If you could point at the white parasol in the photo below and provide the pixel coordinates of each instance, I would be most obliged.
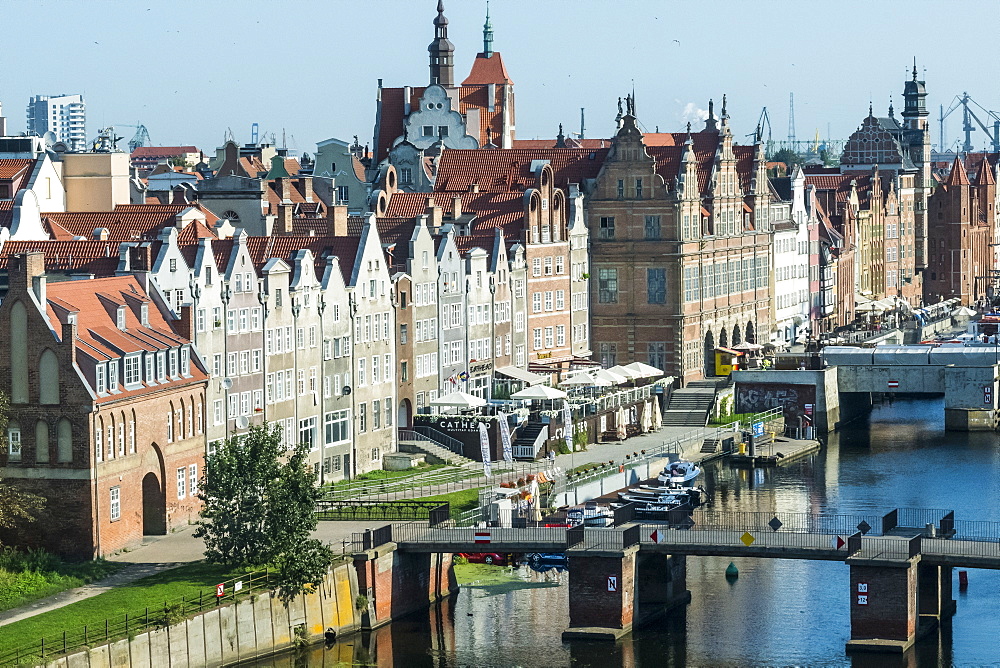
(459, 400)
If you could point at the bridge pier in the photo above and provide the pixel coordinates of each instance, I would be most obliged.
(934, 588)
(884, 610)
(660, 584)
(601, 593)
(398, 583)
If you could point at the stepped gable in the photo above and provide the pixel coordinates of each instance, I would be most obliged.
(99, 258)
(833, 190)
(509, 170)
(667, 149)
(96, 304)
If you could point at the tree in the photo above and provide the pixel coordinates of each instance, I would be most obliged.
(16, 506)
(259, 509)
(787, 156)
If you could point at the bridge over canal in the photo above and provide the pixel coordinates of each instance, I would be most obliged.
(901, 562)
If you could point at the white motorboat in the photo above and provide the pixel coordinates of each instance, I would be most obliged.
(679, 474)
(590, 515)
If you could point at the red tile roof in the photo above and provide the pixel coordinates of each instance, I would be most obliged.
(156, 207)
(98, 336)
(11, 168)
(121, 225)
(194, 231)
(957, 176)
(509, 170)
(571, 142)
(94, 257)
(504, 210)
(488, 71)
(263, 249)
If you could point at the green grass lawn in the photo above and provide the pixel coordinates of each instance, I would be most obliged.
(27, 577)
(461, 501)
(132, 598)
(366, 479)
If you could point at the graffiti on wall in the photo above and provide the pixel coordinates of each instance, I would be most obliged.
(759, 397)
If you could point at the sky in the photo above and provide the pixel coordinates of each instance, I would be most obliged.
(191, 70)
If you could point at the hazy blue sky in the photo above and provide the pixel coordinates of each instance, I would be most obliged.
(190, 69)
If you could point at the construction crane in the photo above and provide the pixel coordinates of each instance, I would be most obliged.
(140, 138)
(763, 121)
(968, 116)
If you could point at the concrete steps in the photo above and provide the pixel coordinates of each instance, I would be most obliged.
(690, 406)
(436, 454)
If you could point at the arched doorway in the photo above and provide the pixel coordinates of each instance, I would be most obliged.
(709, 354)
(154, 507)
(404, 419)
(751, 335)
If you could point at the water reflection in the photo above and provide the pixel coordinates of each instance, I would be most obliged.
(778, 612)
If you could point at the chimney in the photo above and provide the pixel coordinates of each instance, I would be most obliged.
(336, 217)
(184, 326)
(140, 258)
(473, 187)
(307, 189)
(285, 217)
(23, 269)
(456, 207)
(434, 212)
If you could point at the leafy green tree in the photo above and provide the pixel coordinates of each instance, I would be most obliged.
(16, 506)
(259, 509)
(787, 156)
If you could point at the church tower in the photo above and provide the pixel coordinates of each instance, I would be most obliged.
(918, 136)
(442, 52)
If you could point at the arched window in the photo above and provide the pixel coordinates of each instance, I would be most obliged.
(231, 216)
(99, 440)
(65, 442)
(18, 354)
(131, 434)
(110, 439)
(121, 435)
(42, 442)
(48, 378)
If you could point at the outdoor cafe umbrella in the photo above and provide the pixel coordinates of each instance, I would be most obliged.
(610, 377)
(620, 430)
(647, 419)
(539, 392)
(964, 312)
(644, 370)
(579, 379)
(657, 417)
(625, 371)
(747, 345)
(459, 400)
(869, 307)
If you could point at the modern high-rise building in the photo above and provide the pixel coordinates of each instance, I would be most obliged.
(63, 115)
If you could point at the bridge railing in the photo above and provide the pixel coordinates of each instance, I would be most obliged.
(886, 547)
(728, 540)
(959, 549)
(843, 525)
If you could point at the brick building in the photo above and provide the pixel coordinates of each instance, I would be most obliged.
(961, 230)
(107, 410)
(680, 248)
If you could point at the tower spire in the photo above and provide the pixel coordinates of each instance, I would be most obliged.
(441, 51)
(488, 33)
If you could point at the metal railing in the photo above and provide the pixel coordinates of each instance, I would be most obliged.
(134, 622)
(829, 524)
(355, 509)
(440, 438)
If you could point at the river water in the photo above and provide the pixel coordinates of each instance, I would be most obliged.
(778, 612)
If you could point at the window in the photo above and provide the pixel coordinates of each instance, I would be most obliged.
(102, 379)
(173, 264)
(609, 354)
(442, 131)
(638, 188)
(427, 131)
(560, 300)
(536, 266)
(560, 264)
(13, 443)
(255, 319)
(621, 188)
(307, 432)
(376, 414)
(537, 338)
(121, 317)
(560, 335)
(656, 286)
(405, 176)
(113, 376)
(362, 376)
(536, 302)
(200, 320)
(193, 479)
(607, 282)
(182, 482)
(548, 337)
(657, 354)
(388, 411)
(652, 227)
(362, 418)
(607, 229)
(548, 300)
(337, 427)
(217, 408)
(548, 266)
(116, 503)
(403, 328)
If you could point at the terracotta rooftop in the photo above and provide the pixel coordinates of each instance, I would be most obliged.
(488, 71)
(957, 176)
(99, 258)
(263, 249)
(11, 168)
(509, 170)
(156, 207)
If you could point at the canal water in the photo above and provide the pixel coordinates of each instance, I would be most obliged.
(778, 612)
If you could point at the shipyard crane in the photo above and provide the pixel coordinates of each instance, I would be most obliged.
(140, 138)
(968, 116)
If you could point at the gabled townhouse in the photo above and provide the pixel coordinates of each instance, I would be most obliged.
(107, 413)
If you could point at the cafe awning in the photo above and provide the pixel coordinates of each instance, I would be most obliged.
(520, 374)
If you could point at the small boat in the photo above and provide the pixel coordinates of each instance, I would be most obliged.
(590, 515)
(679, 474)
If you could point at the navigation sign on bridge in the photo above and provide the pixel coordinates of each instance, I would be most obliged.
(612, 583)
(482, 536)
(988, 395)
(893, 384)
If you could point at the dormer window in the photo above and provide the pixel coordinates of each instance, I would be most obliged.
(113, 376)
(150, 368)
(133, 371)
(144, 314)
(101, 378)
(121, 318)
(185, 361)
(173, 362)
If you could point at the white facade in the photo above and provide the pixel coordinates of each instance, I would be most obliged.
(790, 260)
(65, 116)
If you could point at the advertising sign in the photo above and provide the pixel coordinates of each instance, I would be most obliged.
(508, 454)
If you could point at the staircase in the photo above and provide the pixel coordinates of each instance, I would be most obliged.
(411, 441)
(690, 406)
(525, 446)
(710, 446)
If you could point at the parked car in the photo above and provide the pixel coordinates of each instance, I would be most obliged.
(491, 558)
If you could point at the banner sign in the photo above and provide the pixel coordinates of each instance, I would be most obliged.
(568, 427)
(508, 453)
(484, 443)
